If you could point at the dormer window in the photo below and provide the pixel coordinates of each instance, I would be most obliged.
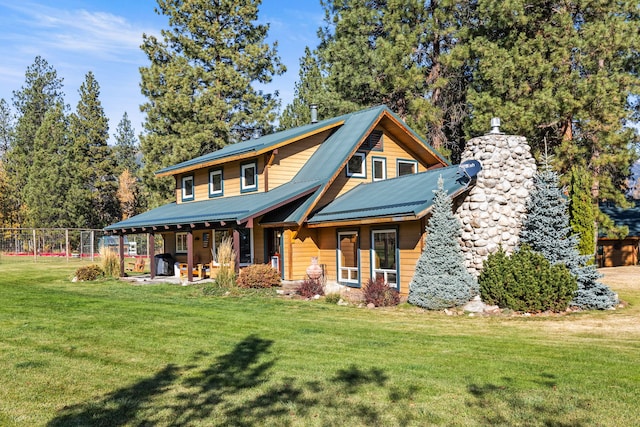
(187, 188)
(356, 166)
(248, 177)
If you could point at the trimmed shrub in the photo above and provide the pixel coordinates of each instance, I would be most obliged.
(378, 293)
(310, 288)
(332, 298)
(258, 276)
(89, 272)
(526, 281)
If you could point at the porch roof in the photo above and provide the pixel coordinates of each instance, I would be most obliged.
(405, 197)
(237, 209)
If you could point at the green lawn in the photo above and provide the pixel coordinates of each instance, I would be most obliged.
(113, 354)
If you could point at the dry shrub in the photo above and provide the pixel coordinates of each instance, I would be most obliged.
(110, 262)
(89, 272)
(258, 276)
(309, 288)
(226, 259)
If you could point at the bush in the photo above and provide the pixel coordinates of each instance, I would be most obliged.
(89, 272)
(258, 276)
(526, 281)
(332, 298)
(378, 293)
(310, 288)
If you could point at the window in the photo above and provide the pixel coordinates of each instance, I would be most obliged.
(348, 270)
(356, 166)
(379, 166)
(187, 188)
(248, 177)
(407, 167)
(181, 243)
(384, 256)
(215, 182)
(245, 246)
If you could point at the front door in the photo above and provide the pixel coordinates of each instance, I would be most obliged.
(273, 242)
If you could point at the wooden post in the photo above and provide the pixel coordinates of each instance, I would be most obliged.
(190, 255)
(151, 245)
(121, 251)
(66, 243)
(35, 247)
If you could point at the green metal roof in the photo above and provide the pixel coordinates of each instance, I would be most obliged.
(408, 195)
(227, 209)
(621, 217)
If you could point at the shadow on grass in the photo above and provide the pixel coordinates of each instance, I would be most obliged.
(541, 403)
(237, 388)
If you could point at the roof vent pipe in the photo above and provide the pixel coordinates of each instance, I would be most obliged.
(495, 125)
(314, 113)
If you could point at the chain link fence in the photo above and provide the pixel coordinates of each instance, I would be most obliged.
(70, 243)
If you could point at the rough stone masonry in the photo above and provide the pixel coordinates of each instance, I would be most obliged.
(492, 212)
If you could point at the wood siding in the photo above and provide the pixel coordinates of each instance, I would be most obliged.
(392, 151)
(291, 158)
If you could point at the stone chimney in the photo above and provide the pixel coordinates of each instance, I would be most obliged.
(493, 211)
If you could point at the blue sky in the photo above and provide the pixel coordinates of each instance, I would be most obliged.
(104, 36)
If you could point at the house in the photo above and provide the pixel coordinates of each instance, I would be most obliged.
(618, 252)
(353, 191)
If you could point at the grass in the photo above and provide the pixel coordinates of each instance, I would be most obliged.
(109, 353)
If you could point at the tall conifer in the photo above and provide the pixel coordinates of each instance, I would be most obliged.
(41, 91)
(92, 202)
(200, 83)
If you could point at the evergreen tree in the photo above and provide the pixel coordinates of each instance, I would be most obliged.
(561, 73)
(6, 128)
(582, 217)
(93, 202)
(393, 52)
(441, 280)
(546, 230)
(199, 85)
(48, 180)
(126, 147)
(42, 90)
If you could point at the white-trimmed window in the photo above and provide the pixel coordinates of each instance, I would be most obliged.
(348, 265)
(181, 243)
(187, 188)
(356, 166)
(215, 183)
(407, 167)
(384, 254)
(248, 177)
(379, 168)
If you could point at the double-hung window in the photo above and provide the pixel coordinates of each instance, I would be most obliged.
(187, 188)
(384, 254)
(215, 183)
(181, 243)
(348, 258)
(379, 167)
(248, 177)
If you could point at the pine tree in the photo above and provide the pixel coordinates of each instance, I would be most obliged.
(561, 73)
(6, 128)
(199, 84)
(48, 180)
(393, 52)
(126, 147)
(93, 202)
(441, 279)
(42, 90)
(582, 217)
(546, 230)
(6, 136)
